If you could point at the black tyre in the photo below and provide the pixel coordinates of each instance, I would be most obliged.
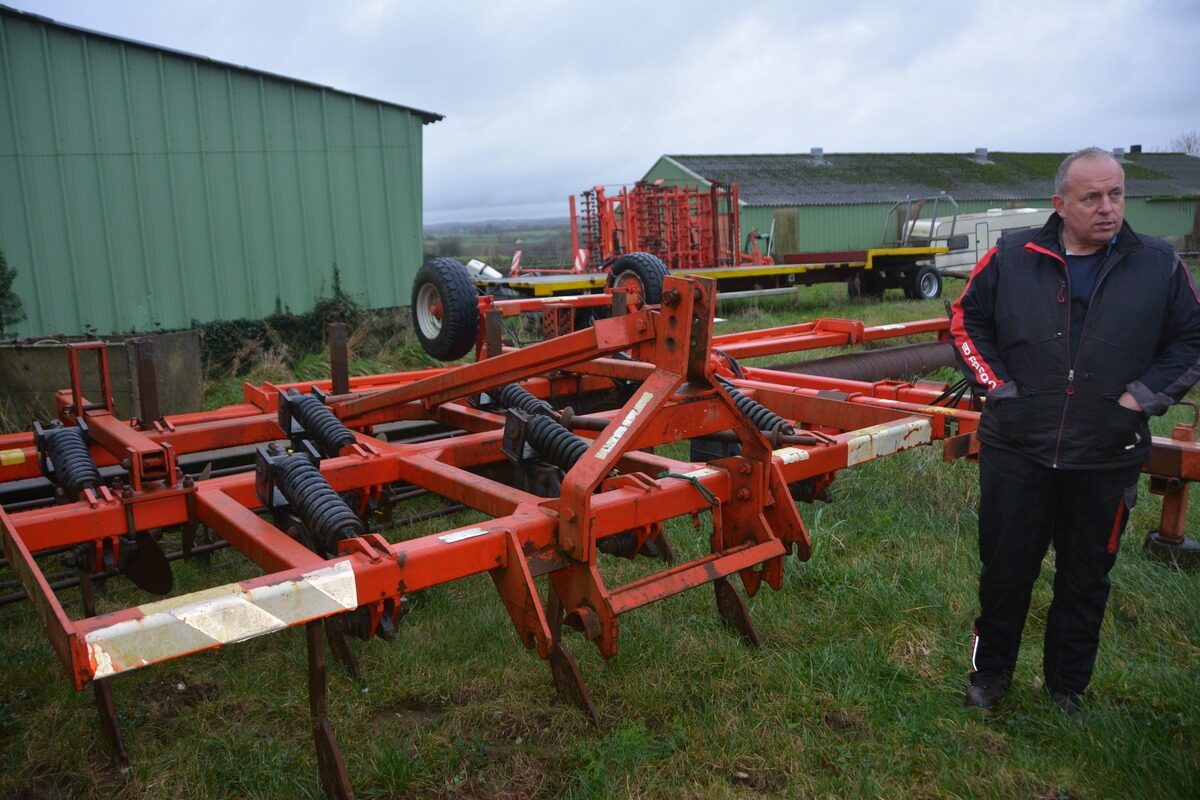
(866, 284)
(641, 276)
(502, 292)
(923, 283)
(445, 309)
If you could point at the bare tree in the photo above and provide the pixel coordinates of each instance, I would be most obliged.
(1187, 143)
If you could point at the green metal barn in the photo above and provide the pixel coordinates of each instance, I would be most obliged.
(819, 202)
(143, 188)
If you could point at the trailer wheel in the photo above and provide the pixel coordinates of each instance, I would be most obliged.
(923, 283)
(641, 276)
(866, 284)
(445, 309)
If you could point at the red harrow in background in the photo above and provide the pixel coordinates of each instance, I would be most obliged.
(561, 488)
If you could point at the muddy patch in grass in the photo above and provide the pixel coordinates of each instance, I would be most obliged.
(170, 696)
(409, 711)
(846, 724)
(510, 775)
(759, 779)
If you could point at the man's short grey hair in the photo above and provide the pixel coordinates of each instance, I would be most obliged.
(1060, 178)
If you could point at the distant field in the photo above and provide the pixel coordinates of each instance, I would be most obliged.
(543, 243)
(857, 692)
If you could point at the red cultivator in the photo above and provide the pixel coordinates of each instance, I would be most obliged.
(560, 489)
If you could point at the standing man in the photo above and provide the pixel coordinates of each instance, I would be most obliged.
(1077, 333)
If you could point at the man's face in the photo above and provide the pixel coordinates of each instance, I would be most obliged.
(1092, 204)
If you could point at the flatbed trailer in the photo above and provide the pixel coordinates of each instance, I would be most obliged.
(694, 232)
(867, 272)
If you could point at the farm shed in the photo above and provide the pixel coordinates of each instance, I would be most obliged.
(147, 188)
(840, 201)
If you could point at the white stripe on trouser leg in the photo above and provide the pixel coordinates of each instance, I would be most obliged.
(219, 616)
(974, 651)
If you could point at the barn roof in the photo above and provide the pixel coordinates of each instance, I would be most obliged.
(425, 116)
(793, 179)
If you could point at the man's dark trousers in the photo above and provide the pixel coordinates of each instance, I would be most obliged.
(1023, 508)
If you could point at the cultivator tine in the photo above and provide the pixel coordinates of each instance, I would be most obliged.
(101, 690)
(146, 565)
(568, 680)
(107, 709)
(663, 545)
(332, 767)
(339, 645)
(732, 607)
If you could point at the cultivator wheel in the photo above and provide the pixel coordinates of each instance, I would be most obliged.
(640, 276)
(445, 309)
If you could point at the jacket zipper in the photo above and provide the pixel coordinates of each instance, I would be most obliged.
(1064, 296)
(1105, 268)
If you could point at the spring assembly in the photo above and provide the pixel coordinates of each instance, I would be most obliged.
(555, 443)
(321, 423)
(74, 469)
(763, 418)
(322, 510)
(512, 395)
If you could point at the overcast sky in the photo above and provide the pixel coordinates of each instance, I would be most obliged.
(544, 99)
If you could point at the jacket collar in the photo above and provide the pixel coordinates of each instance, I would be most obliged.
(1050, 236)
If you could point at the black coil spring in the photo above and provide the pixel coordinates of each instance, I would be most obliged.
(321, 423)
(512, 395)
(763, 418)
(554, 443)
(74, 469)
(322, 510)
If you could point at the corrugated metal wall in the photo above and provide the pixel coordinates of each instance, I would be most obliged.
(851, 227)
(1174, 218)
(142, 189)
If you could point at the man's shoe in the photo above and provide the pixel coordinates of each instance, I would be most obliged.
(1070, 704)
(984, 693)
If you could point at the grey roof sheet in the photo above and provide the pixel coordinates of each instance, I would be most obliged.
(796, 179)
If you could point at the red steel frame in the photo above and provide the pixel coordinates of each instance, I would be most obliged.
(610, 491)
(687, 227)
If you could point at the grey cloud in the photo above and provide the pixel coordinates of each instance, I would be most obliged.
(543, 99)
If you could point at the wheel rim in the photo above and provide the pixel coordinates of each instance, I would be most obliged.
(927, 287)
(429, 311)
(632, 285)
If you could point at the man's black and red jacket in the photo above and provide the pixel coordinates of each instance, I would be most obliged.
(1012, 328)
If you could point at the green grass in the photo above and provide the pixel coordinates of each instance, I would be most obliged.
(856, 692)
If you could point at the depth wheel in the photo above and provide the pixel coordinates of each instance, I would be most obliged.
(641, 276)
(445, 309)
